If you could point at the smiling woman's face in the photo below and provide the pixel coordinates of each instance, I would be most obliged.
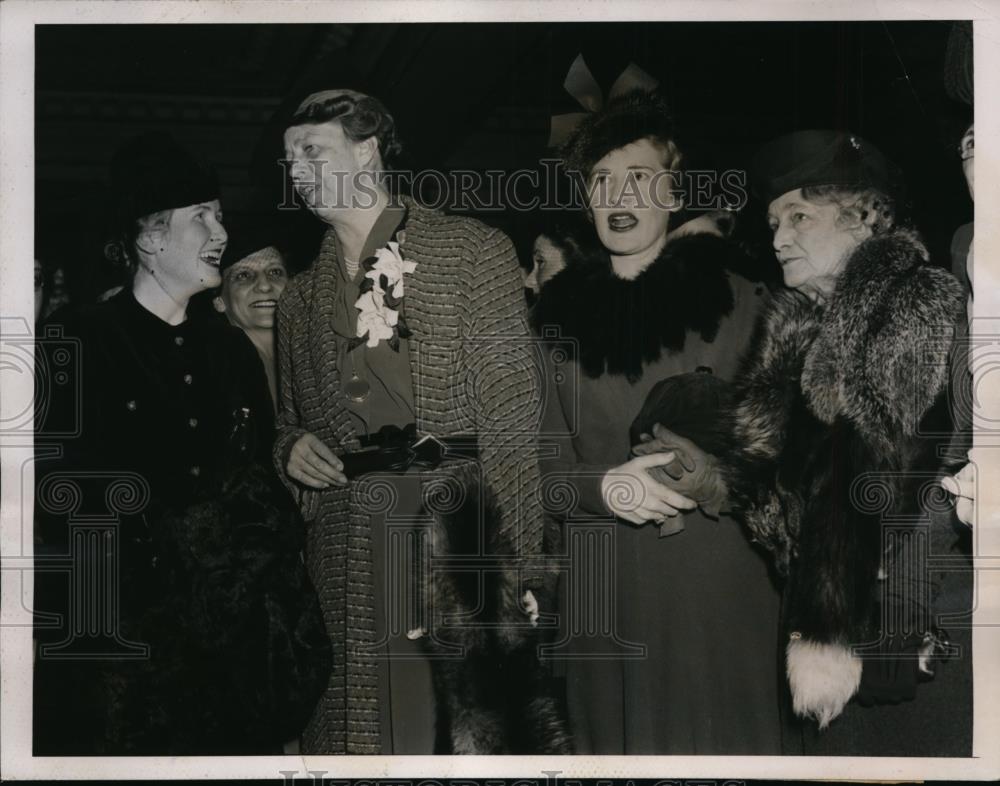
(251, 288)
(631, 199)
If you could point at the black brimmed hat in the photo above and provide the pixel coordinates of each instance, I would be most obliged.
(821, 158)
(151, 172)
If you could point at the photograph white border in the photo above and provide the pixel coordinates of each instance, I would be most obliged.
(17, 20)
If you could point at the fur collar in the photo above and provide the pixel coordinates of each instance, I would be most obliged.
(880, 358)
(876, 354)
(621, 325)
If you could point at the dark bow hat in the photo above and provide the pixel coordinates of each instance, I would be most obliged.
(151, 172)
(821, 157)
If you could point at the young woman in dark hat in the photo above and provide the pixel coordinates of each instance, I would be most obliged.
(210, 641)
(689, 664)
(838, 418)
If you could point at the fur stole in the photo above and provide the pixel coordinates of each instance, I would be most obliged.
(881, 357)
(621, 325)
(492, 693)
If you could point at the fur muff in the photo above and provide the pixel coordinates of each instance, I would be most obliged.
(493, 694)
(822, 677)
(621, 325)
(239, 653)
(830, 425)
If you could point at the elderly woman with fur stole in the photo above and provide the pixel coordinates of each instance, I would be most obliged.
(837, 419)
(659, 672)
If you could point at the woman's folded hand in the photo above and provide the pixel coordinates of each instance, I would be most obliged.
(313, 464)
(693, 472)
(632, 493)
(962, 486)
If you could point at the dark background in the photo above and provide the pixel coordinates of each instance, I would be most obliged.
(476, 96)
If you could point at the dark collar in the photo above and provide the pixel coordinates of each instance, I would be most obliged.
(620, 326)
(144, 322)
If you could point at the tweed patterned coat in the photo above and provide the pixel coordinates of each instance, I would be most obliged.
(473, 373)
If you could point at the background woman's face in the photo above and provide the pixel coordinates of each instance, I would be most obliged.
(810, 243)
(251, 288)
(546, 260)
(39, 289)
(967, 149)
(631, 199)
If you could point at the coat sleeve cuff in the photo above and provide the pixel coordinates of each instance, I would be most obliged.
(587, 481)
(287, 437)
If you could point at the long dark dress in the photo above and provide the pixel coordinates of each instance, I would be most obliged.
(669, 645)
(151, 444)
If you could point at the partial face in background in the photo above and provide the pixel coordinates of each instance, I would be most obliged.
(39, 289)
(251, 288)
(325, 165)
(631, 199)
(811, 242)
(967, 150)
(546, 260)
(185, 253)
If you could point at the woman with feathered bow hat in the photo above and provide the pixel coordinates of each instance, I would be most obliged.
(664, 676)
(837, 420)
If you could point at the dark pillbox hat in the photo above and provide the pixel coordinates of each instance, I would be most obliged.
(821, 158)
(151, 172)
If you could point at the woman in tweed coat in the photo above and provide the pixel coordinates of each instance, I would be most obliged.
(453, 359)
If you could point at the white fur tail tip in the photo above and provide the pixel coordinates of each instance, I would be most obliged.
(823, 677)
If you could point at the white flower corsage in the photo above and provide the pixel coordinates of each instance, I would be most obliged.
(382, 297)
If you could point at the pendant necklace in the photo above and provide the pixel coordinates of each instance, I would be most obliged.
(357, 389)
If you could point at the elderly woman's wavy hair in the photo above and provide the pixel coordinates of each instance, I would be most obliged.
(858, 206)
(360, 116)
(624, 120)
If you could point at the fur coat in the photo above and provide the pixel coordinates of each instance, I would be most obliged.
(840, 412)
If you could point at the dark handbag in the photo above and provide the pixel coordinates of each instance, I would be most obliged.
(395, 449)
